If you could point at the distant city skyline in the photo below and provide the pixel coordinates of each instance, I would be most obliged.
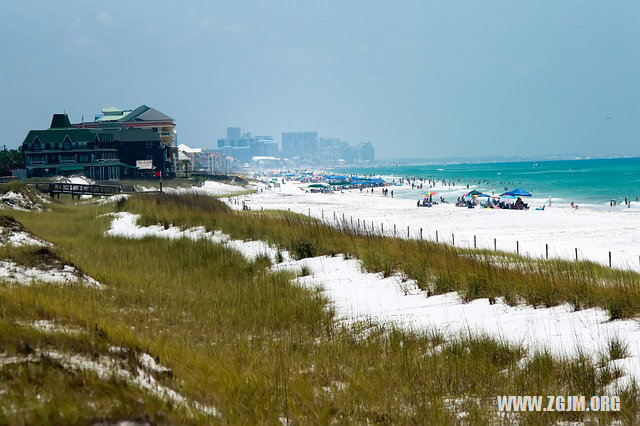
(417, 78)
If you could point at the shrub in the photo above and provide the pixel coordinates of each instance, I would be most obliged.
(304, 271)
(303, 249)
(617, 349)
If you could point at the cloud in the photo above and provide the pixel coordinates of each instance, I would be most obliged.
(105, 18)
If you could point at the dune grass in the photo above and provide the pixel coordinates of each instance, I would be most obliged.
(250, 342)
(437, 268)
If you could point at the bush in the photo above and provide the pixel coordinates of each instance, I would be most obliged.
(617, 349)
(304, 249)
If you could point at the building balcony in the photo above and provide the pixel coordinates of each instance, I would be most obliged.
(58, 150)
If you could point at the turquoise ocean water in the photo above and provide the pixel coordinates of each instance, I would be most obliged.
(589, 182)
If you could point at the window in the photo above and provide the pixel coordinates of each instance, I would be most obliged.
(150, 144)
(66, 144)
(154, 129)
(67, 158)
(36, 146)
(47, 146)
(149, 157)
(84, 158)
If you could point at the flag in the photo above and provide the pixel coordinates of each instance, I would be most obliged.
(158, 174)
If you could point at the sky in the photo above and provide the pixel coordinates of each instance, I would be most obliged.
(416, 78)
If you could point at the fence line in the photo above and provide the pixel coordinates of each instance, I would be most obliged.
(372, 231)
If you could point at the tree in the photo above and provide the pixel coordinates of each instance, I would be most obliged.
(10, 159)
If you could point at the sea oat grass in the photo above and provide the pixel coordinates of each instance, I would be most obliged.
(258, 347)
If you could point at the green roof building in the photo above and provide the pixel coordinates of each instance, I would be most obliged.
(106, 152)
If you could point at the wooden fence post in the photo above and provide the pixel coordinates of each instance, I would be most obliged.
(609, 259)
(407, 232)
(495, 245)
(546, 250)
(474, 242)
(576, 254)
(436, 236)
(517, 247)
(453, 239)
(394, 229)
(420, 233)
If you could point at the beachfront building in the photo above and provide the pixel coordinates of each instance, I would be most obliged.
(302, 145)
(188, 158)
(365, 152)
(332, 150)
(143, 117)
(109, 151)
(244, 146)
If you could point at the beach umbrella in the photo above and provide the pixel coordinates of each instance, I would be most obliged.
(317, 185)
(518, 192)
(429, 193)
(472, 193)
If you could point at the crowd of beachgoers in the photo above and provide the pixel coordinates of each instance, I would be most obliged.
(322, 182)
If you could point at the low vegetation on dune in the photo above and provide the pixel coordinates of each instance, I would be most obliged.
(437, 268)
(191, 332)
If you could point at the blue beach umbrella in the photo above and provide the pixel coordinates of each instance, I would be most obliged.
(518, 192)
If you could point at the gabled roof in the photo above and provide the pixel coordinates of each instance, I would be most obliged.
(112, 113)
(112, 109)
(184, 148)
(58, 135)
(146, 113)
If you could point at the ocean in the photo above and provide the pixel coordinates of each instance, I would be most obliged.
(590, 183)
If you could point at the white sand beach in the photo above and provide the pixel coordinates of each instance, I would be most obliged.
(593, 232)
(358, 295)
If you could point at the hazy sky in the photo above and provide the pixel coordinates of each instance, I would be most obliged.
(416, 78)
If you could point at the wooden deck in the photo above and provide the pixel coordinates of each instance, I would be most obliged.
(77, 189)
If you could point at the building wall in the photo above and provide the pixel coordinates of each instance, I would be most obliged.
(298, 144)
(233, 133)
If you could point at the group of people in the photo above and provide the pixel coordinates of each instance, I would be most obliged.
(519, 204)
(627, 202)
(428, 201)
